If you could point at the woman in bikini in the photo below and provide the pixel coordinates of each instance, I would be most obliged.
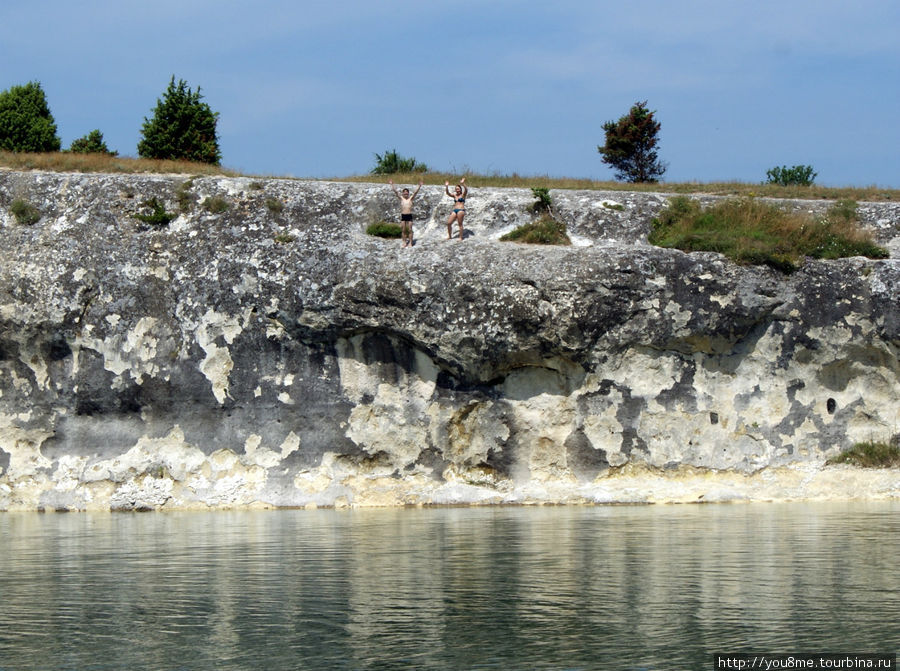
(459, 207)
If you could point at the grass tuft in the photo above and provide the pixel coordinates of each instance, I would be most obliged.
(870, 454)
(544, 231)
(184, 197)
(215, 205)
(752, 232)
(24, 212)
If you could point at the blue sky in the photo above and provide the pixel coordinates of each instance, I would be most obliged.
(315, 89)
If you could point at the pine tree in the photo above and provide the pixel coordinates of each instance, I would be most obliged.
(26, 123)
(631, 145)
(182, 127)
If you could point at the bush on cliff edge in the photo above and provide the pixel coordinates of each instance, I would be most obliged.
(752, 232)
(547, 230)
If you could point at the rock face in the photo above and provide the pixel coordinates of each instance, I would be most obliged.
(262, 350)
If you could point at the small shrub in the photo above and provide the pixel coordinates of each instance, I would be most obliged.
(215, 205)
(870, 454)
(391, 162)
(544, 231)
(24, 212)
(384, 229)
(618, 207)
(543, 202)
(157, 215)
(256, 186)
(275, 206)
(798, 175)
(92, 143)
(284, 238)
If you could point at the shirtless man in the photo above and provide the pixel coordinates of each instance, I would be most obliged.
(406, 203)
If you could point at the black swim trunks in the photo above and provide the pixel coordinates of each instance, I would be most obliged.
(405, 217)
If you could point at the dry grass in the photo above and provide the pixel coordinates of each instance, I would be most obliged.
(814, 192)
(69, 162)
(74, 162)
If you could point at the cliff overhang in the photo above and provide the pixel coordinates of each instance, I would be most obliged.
(267, 352)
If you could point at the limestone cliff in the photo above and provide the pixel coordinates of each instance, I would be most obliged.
(261, 349)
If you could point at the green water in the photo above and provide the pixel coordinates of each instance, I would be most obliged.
(652, 587)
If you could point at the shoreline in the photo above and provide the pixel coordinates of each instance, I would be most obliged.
(630, 485)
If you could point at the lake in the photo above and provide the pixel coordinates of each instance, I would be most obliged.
(615, 587)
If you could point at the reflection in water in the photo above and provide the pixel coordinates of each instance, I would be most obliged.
(654, 587)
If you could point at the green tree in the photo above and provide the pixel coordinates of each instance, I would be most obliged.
(391, 162)
(92, 143)
(631, 145)
(26, 123)
(182, 128)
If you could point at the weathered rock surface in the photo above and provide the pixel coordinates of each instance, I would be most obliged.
(275, 355)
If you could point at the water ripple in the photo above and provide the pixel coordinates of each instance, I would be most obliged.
(497, 588)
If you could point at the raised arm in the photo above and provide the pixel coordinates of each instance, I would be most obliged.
(394, 188)
(447, 189)
(417, 190)
(465, 189)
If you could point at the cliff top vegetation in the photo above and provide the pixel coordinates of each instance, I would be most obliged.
(101, 163)
(754, 232)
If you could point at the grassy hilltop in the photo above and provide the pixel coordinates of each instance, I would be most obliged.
(73, 162)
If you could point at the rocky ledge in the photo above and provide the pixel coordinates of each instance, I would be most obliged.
(261, 350)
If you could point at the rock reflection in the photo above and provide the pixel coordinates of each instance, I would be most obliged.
(654, 586)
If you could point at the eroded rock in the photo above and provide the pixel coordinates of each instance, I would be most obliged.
(279, 356)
